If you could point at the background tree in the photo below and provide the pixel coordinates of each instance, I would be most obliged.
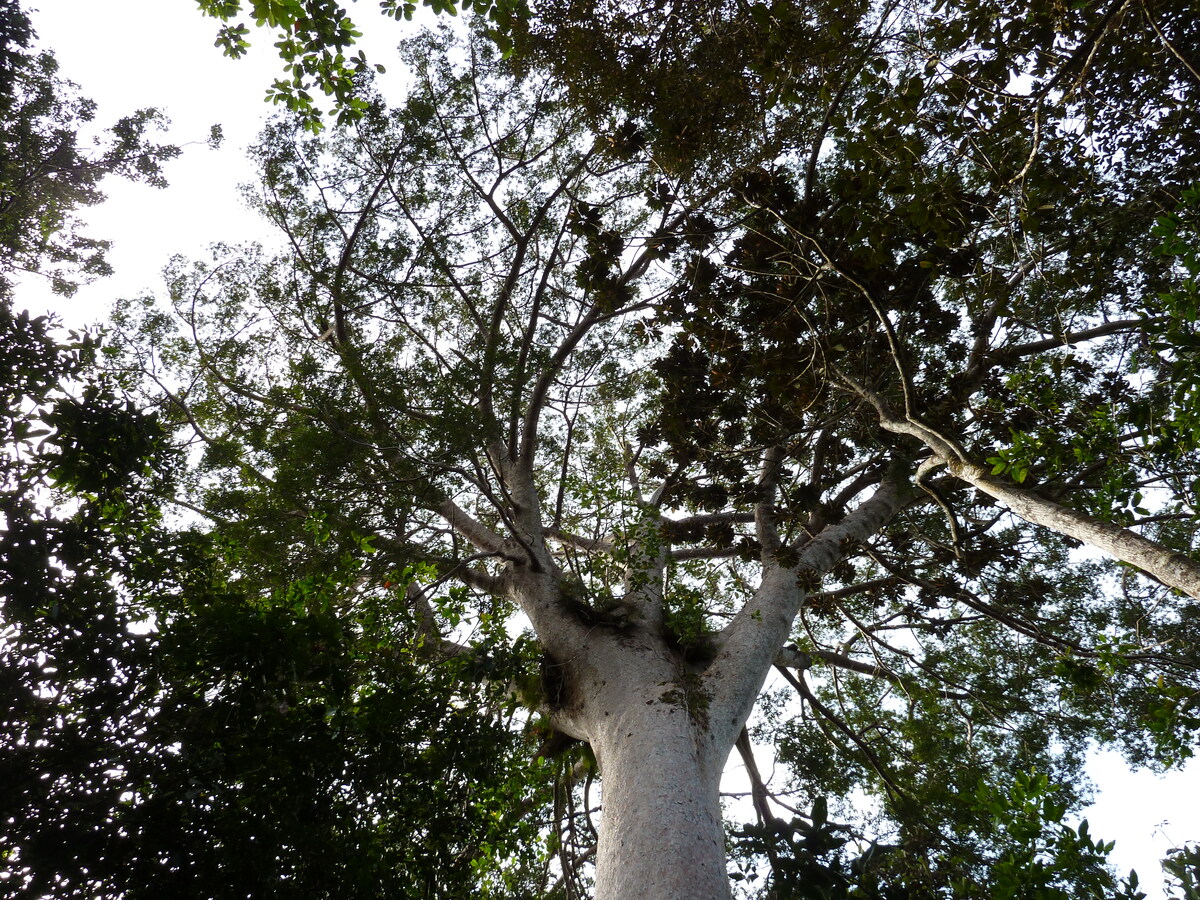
(168, 727)
(167, 732)
(683, 418)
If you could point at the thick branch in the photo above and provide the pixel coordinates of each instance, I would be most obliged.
(764, 511)
(578, 541)
(751, 642)
(705, 553)
(1067, 340)
(475, 531)
(703, 520)
(1168, 566)
(759, 794)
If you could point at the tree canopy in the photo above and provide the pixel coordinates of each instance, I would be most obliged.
(615, 369)
(160, 723)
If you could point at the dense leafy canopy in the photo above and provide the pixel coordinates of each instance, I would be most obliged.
(170, 725)
(581, 321)
(168, 731)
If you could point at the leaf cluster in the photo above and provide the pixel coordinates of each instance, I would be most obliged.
(46, 173)
(314, 40)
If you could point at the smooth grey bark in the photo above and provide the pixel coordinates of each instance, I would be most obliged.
(661, 832)
(661, 728)
(1168, 566)
(750, 644)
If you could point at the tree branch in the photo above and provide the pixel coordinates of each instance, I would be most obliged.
(829, 715)
(587, 545)
(1168, 566)
(1171, 567)
(476, 532)
(750, 643)
(764, 510)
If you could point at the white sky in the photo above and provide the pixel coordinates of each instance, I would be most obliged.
(129, 54)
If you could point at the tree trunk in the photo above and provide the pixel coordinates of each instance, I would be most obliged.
(645, 714)
(662, 730)
(661, 834)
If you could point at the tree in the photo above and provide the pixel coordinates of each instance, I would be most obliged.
(682, 415)
(164, 732)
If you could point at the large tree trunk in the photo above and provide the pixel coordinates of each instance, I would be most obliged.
(645, 714)
(661, 836)
(662, 729)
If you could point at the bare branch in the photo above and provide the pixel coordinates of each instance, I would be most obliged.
(476, 532)
(588, 545)
(1072, 338)
(705, 553)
